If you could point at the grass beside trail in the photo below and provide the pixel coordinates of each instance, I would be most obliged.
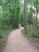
(3, 37)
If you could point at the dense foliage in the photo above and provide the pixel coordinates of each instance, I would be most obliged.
(9, 13)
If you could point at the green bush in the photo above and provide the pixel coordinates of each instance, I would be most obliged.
(31, 33)
(36, 33)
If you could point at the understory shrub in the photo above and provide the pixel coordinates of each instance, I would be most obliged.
(31, 32)
(36, 33)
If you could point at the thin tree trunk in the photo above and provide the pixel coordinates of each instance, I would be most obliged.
(25, 20)
(36, 11)
(34, 19)
(9, 16)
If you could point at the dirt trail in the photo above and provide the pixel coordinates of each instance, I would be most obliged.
(16, 42)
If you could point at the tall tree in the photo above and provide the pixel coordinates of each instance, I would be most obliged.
(36, 11)
(25, 15)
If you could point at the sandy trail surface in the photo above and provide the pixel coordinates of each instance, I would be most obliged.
(16, 42)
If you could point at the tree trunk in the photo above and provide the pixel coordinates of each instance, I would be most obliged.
(36, 11)
(9, 16)
(25, 20)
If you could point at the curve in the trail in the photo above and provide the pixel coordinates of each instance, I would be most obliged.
(16, 42)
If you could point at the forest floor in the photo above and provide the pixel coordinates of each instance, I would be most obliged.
(16, 42)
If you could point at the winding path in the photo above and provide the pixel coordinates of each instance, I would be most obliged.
(16, 42)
